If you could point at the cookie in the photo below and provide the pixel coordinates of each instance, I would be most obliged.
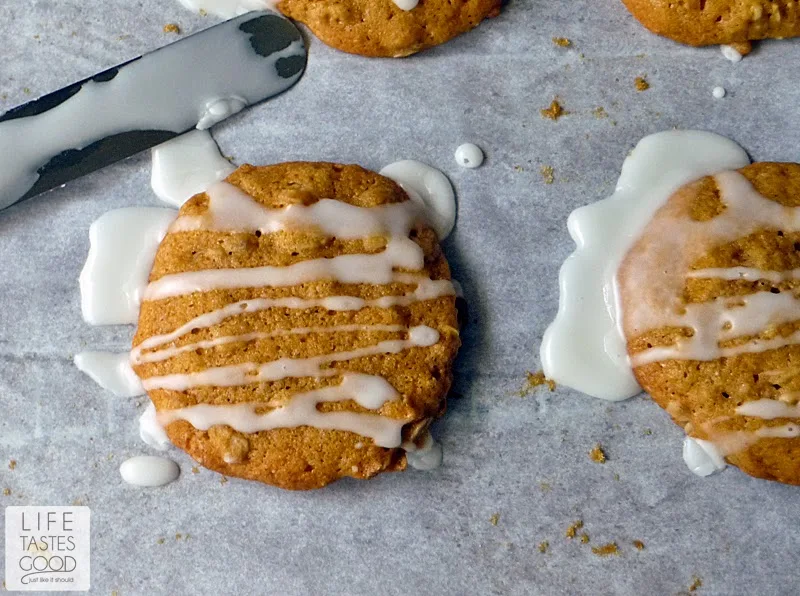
(299, 326)
(381, 28)
(709, 22)
(711, 314)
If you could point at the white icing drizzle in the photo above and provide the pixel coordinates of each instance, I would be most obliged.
(171, 352)
(151, 431)
(187, 165)
(426, 457)
(430, 188)
(251, 372)
(745, 273)
(427, 289)
(122, 247)
(367, 390)
(703, 458)
(681, 242)
(584, 348)
(731, 53)
(769, 409)
(149, 470)
(111, 371)
(231, 210)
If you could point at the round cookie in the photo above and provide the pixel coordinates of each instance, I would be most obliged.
(215, 344)
(380, 28)
(709, 296)
(709, 22)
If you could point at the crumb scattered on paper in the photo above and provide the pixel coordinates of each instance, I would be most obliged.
(178, 536)
(548, 175)
(600, 112)
(584, 538)
(638, 544)
(494, 519)
(160, 541)
(545, 486)
(563, 42)
(598, 455)
(543, 546)
(534, 380)
(696, 583)
(195, 470)
(223, 480)
(12, 464)
(641, 84)
(203, 12)
(172, 28)
(6, 492)
(573, 529)
(554, 112)
(606, 550)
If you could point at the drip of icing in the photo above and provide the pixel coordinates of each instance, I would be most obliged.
(112, 372)
(658, 276)
(718, 92)
(426, 457)
(430, 188)
(171, 352)
(406, 4)
(469, 156)
(368, 391)
(702, 457)
(123, 245)
(149, 470)
(187, 165)
(228, 9)
(769, 409)
(426, 290)
(151, 431)
(251, 372)
(731, 53)
(584, 348)
(231, 210)
(163, 91)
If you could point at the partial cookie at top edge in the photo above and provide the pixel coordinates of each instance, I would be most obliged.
(379, 28)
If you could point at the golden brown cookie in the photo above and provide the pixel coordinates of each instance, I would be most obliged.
(270, 327)
(380, 28)
(709, 22)
(712, 316)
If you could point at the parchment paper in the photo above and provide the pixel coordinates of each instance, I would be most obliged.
(524, 458)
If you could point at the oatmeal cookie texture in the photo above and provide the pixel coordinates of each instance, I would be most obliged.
(712, 317)
(380, 28)
(299, 326)
(709, 22)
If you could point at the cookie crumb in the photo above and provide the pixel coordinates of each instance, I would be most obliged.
(12, 464)
(548, 175)
(606, 550)
(543, 546)
(195, 470)
(545, 487)
(114, 593)
(573, 529)
(554, 112)
(647, 432)
(641, 84)
(160, 541)
(494, 519)
(26, 90)
(6, 492)
(600, 112)
(563, 42)
(584, 538)
(534, 380)
(203, 12)
(743, 47)
(519, 169)
(598, 455)
(178, 536)
(172, 28)
(223, 480)
(638, 544)
(696, 583)
(616, 477)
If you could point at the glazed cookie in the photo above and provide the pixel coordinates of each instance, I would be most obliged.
(711, 314)
(709, 22)
(383, 28)
(299, 326)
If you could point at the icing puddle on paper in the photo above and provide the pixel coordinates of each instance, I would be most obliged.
(585, 347)
(123, 246)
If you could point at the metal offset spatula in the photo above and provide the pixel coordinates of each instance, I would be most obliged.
(192, 83)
